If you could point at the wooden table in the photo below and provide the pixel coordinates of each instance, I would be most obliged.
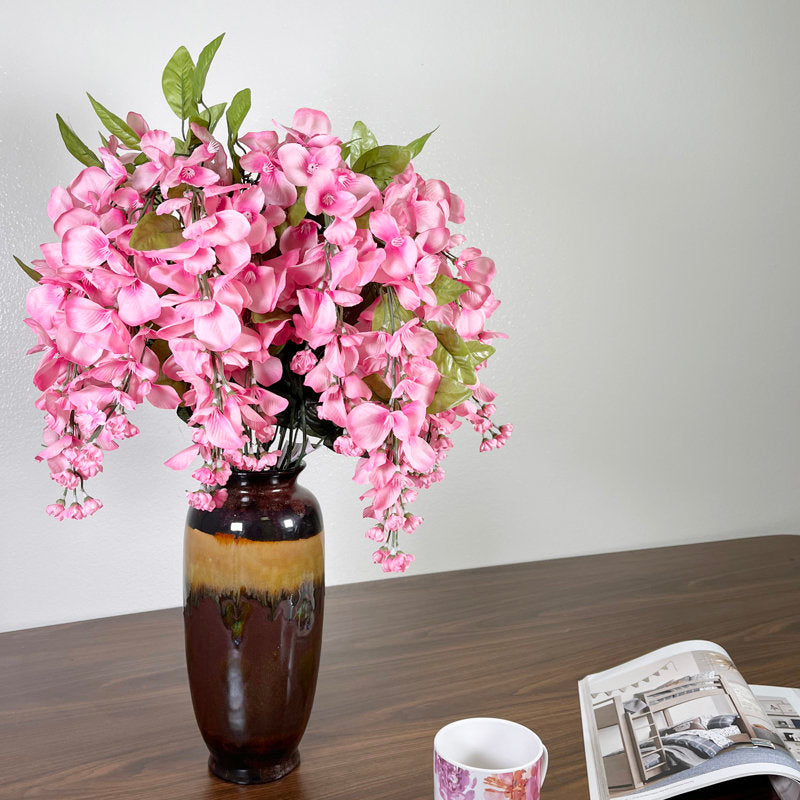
(100, 710)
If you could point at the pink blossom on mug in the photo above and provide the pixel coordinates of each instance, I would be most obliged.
(302, 289)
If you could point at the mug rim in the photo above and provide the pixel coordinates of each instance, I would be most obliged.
(509, 722)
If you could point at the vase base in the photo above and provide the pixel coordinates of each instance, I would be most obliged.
(252, 775)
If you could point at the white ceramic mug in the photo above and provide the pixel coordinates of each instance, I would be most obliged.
(483, 758)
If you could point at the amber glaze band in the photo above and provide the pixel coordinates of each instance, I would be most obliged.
(224, 563)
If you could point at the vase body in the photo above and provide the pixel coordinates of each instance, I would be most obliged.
(253, 606)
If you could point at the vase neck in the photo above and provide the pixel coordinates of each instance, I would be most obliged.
(282, 478)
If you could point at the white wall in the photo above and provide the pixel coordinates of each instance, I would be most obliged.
(633, 168)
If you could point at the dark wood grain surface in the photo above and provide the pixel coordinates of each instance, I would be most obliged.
(100, 710)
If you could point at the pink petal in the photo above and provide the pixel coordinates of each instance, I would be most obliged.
(383, 225)
(221, 432)
(260, 140)
(168, 206)
(368, 425)
(434, 240)
(184, 458)
(419, 454)
(85, 316)
(341, 231)
(294, 160)
(81, 348)
(163, 396)
(138, 303)
(90, 185)
(84, 246)
(60, 202)
(311, 122)
(268, 372)
(136, 121)
(73, 218)
(156, 145)
(44, 301)
(277, 188)
(219, 329)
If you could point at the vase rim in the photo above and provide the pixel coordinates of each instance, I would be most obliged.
(270, 472)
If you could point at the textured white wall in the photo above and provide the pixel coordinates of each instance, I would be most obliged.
(634, 170)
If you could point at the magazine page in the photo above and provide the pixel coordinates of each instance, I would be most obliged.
(782, 706)
(676, 720)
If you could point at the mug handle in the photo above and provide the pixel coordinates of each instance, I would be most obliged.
(544, 762)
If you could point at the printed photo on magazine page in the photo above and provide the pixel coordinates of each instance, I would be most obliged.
(782, 706)
(681, 718)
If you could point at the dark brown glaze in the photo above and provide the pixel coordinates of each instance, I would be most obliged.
(254, 598)
(253, 671)
(270, 507)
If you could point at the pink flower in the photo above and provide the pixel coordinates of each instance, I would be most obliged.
(300, 165)
(202, 325)
(325, 196)
(303, 361)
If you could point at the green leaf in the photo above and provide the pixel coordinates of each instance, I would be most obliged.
(447, 289)
(29, 271)
(362, 221)
(156, 232)
(378, 386)
(297, 212)
(479, 351)
(383, 163)
(449, 393)
(203, 63)
(452, 356)
(416, 146)
(270, 316)
(75, 146)
(235, 115)
(177, 82)
(345, 151)
(215, 112)
(362, 140)
(116, 126)
(382, 318)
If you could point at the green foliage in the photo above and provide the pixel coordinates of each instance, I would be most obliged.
(203, 63)
(270, 316)
(239, 107)
(416, 146)
(177, 82)
(452, 356)
(156, 232)
(455, 358)
(362, 140)
(449, 393)
(296, 214)
(29, 271)
(301, 414)
(214, 115)
(234, 116)
(75, 146)
(479, 351)
(383, 163)
(382, 316)
(380, 390)
(115, 125)
(447, 289)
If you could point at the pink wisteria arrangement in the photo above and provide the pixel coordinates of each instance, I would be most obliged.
(305, 291)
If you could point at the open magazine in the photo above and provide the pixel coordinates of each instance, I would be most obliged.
(682, 718)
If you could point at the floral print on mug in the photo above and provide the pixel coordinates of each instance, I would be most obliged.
(456, 783)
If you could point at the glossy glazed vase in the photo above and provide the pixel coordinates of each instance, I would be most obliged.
(253, 605)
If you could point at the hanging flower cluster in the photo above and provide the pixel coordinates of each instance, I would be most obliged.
(307, 291)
